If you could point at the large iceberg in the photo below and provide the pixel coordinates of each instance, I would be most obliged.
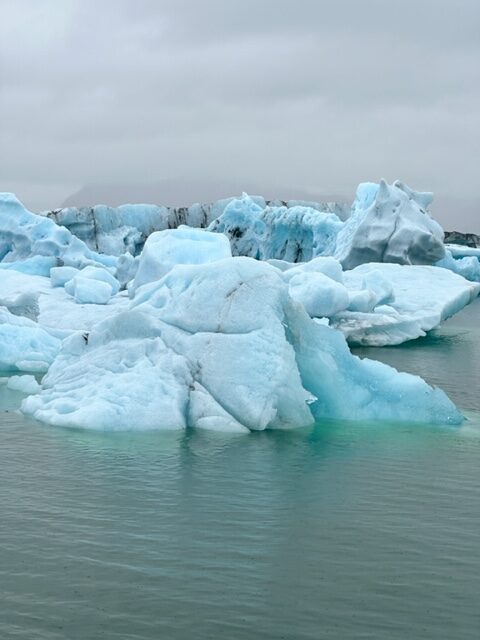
(222, 346)
(295, 234)
(389, 223)
(29, 238)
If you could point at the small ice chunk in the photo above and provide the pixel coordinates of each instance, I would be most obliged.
(59, 276)
(89, 291)
(25, 384)
(321, 296)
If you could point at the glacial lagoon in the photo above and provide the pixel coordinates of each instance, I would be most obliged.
(346, 530)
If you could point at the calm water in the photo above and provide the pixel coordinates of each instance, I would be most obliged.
(344, 531)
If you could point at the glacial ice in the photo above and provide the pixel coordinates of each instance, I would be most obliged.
(93, 285)
(24, 345)
(389, 223)
(294, 234)
(461, 251)
(218, 342)
(26, 384)
(25, 236)
(411, 300)
(165, 249)
(465, 263)
(222, 345)
(116, 230)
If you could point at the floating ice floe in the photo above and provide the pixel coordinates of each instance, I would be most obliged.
(222, 346)
(417, 299)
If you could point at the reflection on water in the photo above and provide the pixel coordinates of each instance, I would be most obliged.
(341, 531)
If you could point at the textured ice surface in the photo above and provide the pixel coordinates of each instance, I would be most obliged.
(25, 384)
(92, 285)
(465, 262)
(59, 276)
(165, 249)
(25, 236)
(462, 251)
(389, 223)
(24, 345)
(294, 234)
(115, 230)
(411, 300)
(222, 346)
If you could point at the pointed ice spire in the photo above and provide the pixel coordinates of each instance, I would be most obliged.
(383, 193)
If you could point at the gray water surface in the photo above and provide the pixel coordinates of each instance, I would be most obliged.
(341, 531)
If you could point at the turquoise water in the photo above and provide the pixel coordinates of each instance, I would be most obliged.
(341, 531)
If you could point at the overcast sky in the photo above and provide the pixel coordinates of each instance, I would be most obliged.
(304, 97)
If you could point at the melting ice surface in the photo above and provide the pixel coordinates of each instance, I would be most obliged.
(219, 342)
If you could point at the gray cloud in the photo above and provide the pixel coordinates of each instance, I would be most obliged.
(306, 96)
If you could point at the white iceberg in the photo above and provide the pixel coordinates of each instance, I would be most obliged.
(222, 346)
(409, 301)
(389, 223)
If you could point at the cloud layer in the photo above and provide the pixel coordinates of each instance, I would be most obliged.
(306, 96)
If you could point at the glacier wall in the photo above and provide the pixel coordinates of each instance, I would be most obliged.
(116, 230)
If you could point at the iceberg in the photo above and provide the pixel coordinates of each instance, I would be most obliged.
(165, 249)
(410, 300)
(24, 384)
(93, 285)
(222, 345)
(465, 262)
(389, 223)
(118, 230)
(24, 345)
(36, 242)
(295, 234)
